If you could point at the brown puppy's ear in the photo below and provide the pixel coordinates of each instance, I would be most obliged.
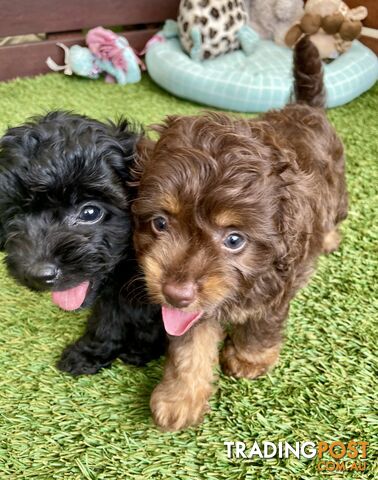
(168, 121)
(143, 155)
(146, 145)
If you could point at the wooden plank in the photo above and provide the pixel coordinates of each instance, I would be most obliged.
(370, 42)
(20, 17)
(29, 59)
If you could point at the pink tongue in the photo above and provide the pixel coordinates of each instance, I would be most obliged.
(177, 322)
(71, 299)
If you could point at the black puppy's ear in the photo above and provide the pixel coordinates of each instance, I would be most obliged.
(4, 182)
(2, 237)
(127, 133)
(126, 136)
(18, 145)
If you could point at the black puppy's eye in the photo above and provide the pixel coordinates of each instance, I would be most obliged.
(234, 241)
(159, 224)
(91, 214)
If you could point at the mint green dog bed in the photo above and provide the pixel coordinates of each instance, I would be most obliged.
(256, 82)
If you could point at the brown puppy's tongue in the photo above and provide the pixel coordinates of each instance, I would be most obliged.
(177, 322)
(71, 299)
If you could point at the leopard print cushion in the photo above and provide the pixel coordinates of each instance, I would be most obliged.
(218, 22)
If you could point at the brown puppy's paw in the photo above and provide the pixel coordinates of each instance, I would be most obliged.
(251, 366)
(176, 406)
(331, 241)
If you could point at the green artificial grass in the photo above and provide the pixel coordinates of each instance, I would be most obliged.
(53, 426)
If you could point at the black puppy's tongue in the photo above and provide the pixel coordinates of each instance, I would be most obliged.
(71, 299)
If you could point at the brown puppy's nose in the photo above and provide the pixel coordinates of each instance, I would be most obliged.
(179, 295)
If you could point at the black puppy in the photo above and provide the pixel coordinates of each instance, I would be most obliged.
(65, 227)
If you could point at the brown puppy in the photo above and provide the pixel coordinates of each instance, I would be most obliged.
(231, 216)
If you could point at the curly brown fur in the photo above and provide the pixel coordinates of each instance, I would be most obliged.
(274, 187)
(181, 399)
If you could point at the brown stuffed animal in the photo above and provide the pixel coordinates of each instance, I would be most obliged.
(331, 24)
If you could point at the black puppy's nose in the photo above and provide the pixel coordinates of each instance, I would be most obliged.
(45, 273)
(180, 295)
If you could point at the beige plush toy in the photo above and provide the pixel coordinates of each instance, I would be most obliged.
(332, 26)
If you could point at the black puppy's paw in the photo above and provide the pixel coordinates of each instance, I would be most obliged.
(76, 362)
(141, 357)
(135, 358)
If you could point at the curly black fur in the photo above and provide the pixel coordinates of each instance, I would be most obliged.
(50, 168)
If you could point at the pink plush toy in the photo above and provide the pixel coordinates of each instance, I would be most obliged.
(103, 44)
(107, 53)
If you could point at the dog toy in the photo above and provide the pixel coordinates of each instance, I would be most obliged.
(331, 24)
(271, 19)
(208, 28)
(107, 53)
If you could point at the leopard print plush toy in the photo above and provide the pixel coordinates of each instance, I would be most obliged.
(208, 28)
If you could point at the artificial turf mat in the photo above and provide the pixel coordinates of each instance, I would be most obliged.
(53, 426)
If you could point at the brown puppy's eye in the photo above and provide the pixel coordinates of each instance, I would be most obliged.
(234, 241)
(159, 224)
